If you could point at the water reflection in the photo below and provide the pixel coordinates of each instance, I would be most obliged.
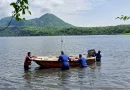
(112, 72)
(81, 77)
(64, 79)
(95, 65)
(98, 63)
(42, 78)
(28, 77)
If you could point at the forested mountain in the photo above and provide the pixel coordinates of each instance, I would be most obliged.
(50, 25)
(47, 20)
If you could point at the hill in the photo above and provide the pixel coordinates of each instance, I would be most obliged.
(46, 20)
(51, 25)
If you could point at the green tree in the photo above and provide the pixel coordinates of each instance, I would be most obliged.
(20, 7)
(122, 17)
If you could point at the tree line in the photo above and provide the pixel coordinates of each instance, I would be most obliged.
(50, 31)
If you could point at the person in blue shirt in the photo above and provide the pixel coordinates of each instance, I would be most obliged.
(82, 60)
(64, 61)
(98, 56)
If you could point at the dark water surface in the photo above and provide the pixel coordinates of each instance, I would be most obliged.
(112, 73)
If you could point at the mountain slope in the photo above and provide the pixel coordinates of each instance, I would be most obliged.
(47, 20)
(6, 20)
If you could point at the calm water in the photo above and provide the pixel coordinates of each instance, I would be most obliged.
(112, 73)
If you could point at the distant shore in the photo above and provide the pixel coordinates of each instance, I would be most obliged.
(125, 34)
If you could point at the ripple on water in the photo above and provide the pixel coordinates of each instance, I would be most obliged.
(111, 74)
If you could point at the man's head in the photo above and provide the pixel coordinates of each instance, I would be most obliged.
(29, 53)
(99, 51)
(80, 55)
(62, 52)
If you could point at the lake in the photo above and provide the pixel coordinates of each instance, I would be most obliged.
(111, 74)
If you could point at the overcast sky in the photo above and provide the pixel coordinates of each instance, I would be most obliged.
(86, 13)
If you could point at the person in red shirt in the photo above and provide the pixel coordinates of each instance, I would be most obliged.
(27, 61)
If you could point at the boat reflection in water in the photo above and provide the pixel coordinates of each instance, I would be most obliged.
(54, 78)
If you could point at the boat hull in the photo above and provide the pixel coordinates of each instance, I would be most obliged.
(56, 64)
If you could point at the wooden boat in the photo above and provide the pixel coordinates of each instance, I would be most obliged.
(52, 61)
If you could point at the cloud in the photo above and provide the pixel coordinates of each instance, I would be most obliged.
(40, 7)
(56, 3)
(62, 8)
(5, 8)
(45, 10)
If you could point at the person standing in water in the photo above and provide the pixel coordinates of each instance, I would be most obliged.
(98, 56)
(27, 61)
(64, 61)
(82, 61)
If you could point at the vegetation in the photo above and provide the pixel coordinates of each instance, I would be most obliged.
(41, 31)
(20, 7)
(122, 17)
(46, 26)
(49, 24)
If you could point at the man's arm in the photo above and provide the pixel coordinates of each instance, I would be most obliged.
(77, 60)
(59, 58)
(69, 59)
(31, 59)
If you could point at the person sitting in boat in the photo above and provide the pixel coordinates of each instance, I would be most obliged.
(82, 60)
(64, 60)
(27, 61)
(98, 56)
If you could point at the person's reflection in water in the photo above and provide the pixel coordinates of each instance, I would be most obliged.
(64, 78)
(81, 75)
(98, 63)
(84, 78)
(90, 76)
(27, 76)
